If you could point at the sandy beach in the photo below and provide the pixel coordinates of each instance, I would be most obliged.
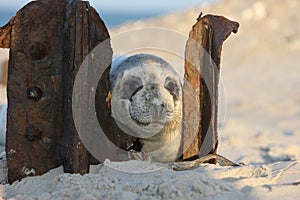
(259, 116)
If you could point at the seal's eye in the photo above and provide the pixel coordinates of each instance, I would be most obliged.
(172, 87)
(131, 86)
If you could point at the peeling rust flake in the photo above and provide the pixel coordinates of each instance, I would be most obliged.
(5, 34)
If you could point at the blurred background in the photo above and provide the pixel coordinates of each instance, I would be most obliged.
(113, 12)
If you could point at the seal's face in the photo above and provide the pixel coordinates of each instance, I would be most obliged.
(146, 97)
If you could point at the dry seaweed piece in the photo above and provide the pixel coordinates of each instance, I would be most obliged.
(188, 165)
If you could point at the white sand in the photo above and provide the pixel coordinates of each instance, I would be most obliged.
(260, 72)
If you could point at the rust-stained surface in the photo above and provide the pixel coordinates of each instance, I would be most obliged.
(34, 124)
(48, 40)
(201, 83)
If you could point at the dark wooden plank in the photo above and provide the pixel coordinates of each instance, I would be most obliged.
(85, 31)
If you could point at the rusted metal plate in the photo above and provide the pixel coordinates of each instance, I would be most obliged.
(48, 42)
(34, 90)
(202, 66)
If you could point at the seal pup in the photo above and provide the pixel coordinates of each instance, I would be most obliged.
(146, 103)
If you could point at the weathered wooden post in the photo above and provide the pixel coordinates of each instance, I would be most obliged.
(48, 40)
(202, 69)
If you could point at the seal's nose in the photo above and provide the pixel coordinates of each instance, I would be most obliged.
(158, 107)
(158, 112)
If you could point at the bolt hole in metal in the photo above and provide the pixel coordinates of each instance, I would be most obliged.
(34, 93)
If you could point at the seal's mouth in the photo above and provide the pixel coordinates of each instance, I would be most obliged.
(154, 123)
(140, 123)
(148, 115)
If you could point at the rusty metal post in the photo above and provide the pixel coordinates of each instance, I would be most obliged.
(202, 69)
(48, 41)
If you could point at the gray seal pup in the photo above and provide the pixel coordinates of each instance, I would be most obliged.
(147, 103)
